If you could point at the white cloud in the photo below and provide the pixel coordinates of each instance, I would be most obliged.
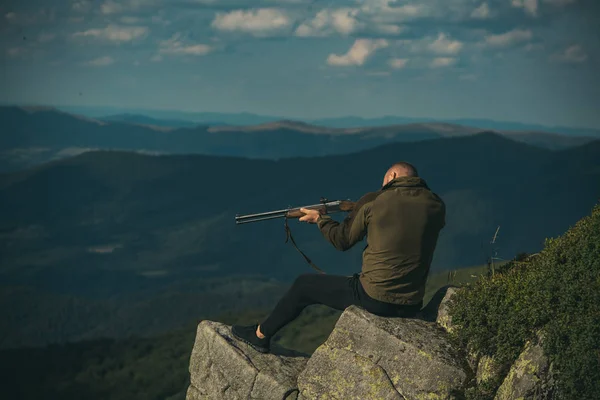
(345, 21)
(328, 21)
(100, 62)
(376, 13)
(389, 29)
(176, 47)
(481, 12)
(360, 51)
(443, 45)
(572, 54)
(392, 11)
(381, 11)
(530, 6)
(258, 22)
(441, 62)
(509, 38)
(15, 52)
(115, 33)
(398, 63)
(46, 37)
(194, 50)
(112, 7)
(81, 6)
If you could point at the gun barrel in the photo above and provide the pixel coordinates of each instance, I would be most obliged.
(263, 214)
(244, 219)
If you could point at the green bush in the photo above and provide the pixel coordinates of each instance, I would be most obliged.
(556, 292)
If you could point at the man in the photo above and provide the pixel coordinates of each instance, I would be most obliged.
(402, 222)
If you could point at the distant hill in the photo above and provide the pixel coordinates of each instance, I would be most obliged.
(483, 124)
(144, 120)
(420, 131)
(109, 243)
(38, 135)
(200, 118)
(206, 118)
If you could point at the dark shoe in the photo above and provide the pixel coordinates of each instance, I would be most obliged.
(247, 334)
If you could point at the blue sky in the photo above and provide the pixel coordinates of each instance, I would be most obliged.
(518, 60)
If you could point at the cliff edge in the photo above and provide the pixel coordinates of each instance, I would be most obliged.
(365, 357)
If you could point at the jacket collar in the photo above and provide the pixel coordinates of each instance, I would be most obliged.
(406, 181)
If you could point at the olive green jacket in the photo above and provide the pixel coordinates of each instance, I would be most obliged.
(402, 222)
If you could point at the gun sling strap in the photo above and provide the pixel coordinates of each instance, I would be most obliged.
(289, 236)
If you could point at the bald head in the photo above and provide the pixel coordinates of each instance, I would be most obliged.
(398, 170)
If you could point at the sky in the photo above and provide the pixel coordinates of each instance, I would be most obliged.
(532, 61)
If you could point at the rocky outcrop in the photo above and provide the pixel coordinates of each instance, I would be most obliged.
(371, 357)
(222, 368)
(365, 357)
(529, 377)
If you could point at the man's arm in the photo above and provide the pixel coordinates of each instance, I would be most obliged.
(353, 229)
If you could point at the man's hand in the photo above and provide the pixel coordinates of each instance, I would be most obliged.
(311, 215)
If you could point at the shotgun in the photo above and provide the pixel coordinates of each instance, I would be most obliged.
(325, 206)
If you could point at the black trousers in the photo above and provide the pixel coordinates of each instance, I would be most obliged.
(335, 291)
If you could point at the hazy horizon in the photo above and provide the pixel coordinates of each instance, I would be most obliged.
(97, 112)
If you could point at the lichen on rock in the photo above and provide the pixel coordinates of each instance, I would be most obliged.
(527, 375)
(367, 356)
(488, 369)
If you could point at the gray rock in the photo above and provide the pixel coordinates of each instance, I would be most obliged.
(195, 394)
(443, 316)
(527, 377)
(368, 357)
(221, 367)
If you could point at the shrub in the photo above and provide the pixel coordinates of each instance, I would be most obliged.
(556, 292)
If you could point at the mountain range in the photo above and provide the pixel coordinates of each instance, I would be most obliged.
(113, 243)
(41, 134)
(245, 118)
